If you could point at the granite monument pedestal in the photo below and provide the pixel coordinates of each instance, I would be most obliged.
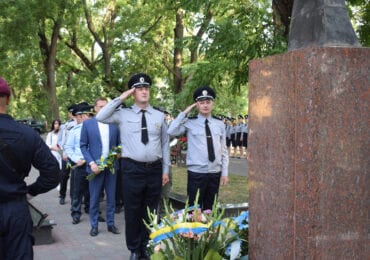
(309, 154)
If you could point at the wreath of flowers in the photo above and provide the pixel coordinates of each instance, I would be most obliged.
(193, 234)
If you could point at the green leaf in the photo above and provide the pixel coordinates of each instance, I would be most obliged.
(213, 255)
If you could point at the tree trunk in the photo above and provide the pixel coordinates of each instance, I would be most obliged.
(49, 52)
(177, 56)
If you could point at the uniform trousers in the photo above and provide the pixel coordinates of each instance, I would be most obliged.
(245, 140)
(228, 142)
(79, 186)
(16, 238)
(208, 185)
(238, 140)
(232, 139)
(119, 193)
(107, 180)
(64, 180)
(141, 185)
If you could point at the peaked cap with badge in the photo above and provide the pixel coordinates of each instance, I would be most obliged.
(203, 93)
(82, 108)
(139, 80)
(71, 107)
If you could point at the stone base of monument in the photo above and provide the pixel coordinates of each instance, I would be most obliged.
(178, 202)
(42, 226)
(308, 146)
(43, 234)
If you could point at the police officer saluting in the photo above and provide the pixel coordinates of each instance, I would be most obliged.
(145, 158)
(20, 148)
(207, 157)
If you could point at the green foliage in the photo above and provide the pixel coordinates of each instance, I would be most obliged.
(131, 36)
(359, 11)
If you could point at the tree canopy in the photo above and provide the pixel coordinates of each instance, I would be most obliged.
(58, 52)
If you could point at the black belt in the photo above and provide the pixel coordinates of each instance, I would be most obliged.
(144, 164)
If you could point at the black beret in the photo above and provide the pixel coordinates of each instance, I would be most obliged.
(139, 79)
(4, 88)
(203, 93)
(240, 116)
(246, 116)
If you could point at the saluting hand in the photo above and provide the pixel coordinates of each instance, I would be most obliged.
(126, 94)
(189, 108)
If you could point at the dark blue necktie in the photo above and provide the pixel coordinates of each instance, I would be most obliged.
(144, 129)
(211, 151)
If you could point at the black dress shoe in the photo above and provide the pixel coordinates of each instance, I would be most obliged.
(101, 219)
(134, 256)
(94, 231)
(75, 220)
(62, 201)
(113, 229)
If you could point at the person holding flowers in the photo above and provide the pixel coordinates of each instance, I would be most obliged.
(207, 158)
(97, 140)
(145, 158)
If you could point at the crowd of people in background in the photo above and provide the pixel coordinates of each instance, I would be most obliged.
(237, 136)
(82, 148)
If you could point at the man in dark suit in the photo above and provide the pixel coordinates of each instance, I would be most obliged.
(97, 139)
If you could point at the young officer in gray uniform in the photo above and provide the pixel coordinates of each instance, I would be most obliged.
(62, 139)
(207, 157)
(145, 158)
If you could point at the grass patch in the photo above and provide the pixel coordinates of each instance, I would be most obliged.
(235, 192)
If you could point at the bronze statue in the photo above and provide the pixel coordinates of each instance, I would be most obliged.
(320, 23)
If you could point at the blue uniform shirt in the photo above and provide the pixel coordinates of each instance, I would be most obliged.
(197, 155)
(72, 146)
(129, 124)
(63, 133)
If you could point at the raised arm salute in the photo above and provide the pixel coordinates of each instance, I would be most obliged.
(207, 157)
(145, 158)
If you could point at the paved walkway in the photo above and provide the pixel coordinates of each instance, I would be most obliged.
(74, 242)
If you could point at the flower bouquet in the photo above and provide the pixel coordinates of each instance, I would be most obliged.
(183, 143)
(193, 234)
(107, 163)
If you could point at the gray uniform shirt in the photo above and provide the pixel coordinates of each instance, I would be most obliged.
(245, 128)
(197, 156)
(129, 123)
(228, 129)
(238, 128)
(63, 134)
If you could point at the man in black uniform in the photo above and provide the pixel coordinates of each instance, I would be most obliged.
(20, 148)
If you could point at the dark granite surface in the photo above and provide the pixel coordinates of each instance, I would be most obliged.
(309, 154)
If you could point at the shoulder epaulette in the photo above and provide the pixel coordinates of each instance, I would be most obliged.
(215, 117)
(159, 109)
(123, 105)
(192, 117)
